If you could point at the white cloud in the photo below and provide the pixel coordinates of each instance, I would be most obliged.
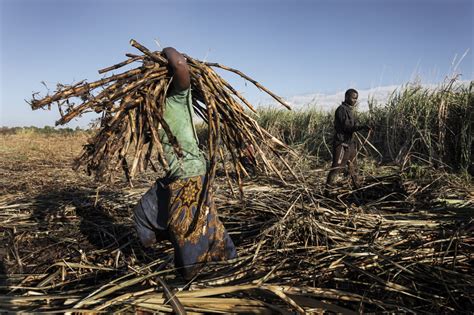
(327, 102)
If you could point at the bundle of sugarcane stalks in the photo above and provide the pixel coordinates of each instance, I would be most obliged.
(132, 105)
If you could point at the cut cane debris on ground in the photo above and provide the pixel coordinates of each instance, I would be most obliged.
(400, 243)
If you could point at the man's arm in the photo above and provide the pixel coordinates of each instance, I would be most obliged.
(179, 69)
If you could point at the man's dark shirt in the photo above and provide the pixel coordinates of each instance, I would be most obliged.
(345, 124)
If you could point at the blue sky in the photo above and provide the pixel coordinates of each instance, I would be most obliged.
(291, 47)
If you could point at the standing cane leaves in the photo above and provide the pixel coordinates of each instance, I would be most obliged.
(132, 105)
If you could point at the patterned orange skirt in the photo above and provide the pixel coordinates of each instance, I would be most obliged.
(170, 209)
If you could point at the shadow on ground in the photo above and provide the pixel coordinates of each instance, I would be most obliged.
(75, 221)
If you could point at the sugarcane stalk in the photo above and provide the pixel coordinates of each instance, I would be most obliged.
(147, 52)
(276, 97)
(121, 64)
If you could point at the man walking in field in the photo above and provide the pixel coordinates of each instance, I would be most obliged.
(170, 208)
(344, 147)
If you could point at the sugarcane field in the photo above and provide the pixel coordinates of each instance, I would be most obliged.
(286, 229)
